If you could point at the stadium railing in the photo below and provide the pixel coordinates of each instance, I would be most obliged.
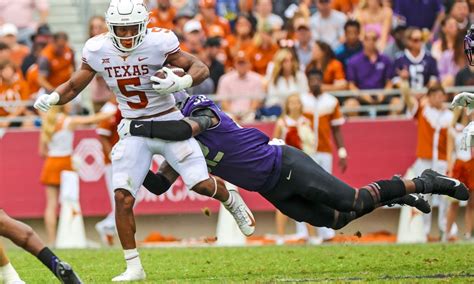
(364, 111)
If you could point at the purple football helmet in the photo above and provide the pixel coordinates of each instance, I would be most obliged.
(469, 45)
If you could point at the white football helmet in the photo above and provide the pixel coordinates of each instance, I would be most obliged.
(127, 13)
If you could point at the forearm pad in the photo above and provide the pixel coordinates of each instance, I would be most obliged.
(156, 183)
(173, 130)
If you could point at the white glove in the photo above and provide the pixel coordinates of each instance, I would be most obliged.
(45, 101)
(468, 136)
(172, 83)
(463, 99)
(123, 128)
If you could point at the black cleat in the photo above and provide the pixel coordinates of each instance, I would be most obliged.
(66, 275)
(413, 200)
(436, 183)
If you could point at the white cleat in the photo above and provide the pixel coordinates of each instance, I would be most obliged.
(241, 213)
(130, 275)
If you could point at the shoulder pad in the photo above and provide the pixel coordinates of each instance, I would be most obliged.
(96, 43)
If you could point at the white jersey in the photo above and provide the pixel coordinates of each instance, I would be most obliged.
(127, 74)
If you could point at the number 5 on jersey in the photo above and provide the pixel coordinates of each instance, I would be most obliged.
(135, 81)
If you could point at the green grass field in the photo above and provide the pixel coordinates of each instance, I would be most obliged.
(340, 263)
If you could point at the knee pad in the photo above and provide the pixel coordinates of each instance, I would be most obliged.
(364, 200)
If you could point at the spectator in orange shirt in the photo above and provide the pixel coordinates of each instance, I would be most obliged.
(209, 17)
(13, 90)
(56, 63)
(332, 70)
(242, 39)
(181, 18)
(263, 49)
(162, 16)
(193, 38)
(18, 51)
(345, 6)
(5, 51)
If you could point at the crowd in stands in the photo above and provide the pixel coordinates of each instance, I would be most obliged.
(258, 50)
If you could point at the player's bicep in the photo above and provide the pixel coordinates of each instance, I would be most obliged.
(181, 59)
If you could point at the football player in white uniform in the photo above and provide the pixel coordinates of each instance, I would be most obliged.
(127, 58)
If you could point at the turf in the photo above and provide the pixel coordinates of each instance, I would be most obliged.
(339, 263)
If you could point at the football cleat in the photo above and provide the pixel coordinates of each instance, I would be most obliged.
(412, 200)
(241, 213)
(436, 183)
(130, 275)
(65, 274)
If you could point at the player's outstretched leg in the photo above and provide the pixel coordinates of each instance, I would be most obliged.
(24, 236)
(413, 200)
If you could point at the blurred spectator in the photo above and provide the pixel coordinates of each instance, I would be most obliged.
(242, 39)
(325, 111)
(100, 92)
(426, 14)
(283, 7)
(352, 44)
(40, 40)
(20, 13)
(460, 12)
(395, 48)
(331, 69)
(162, 16)
(193, 37)
(56, 63)
(208, 17)
(263, 13)
(452, 58)
(372, 15)
(304, 44)
(13, 90)
(285, 79)
(447, 39)
(416, 64)
(212, 49)
(434, 120)
(240, 91)
(370, 70)
(263, 49)
(228, 9)
(345, 6)
(181, 18)
(5, 51)
(18, 51)
(327, 24)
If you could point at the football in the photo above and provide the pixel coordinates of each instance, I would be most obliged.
(176, 70)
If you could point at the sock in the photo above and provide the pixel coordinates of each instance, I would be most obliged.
(419, 185)
(229, 202)
(385, 190)
(49, 259)
(9, 273)
(132, 258)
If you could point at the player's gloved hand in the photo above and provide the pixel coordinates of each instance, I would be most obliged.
(172, 83)
(463, 99)
(468, 136)
(45, 101)
(123, 128)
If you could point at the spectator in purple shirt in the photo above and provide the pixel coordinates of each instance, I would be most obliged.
(416, 64)
(460, 11)
(352, 44)
(370, 70)
(420, 13)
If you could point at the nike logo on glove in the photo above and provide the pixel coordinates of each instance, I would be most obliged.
(138, 126)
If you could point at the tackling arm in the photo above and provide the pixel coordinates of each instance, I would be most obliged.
(173, 130)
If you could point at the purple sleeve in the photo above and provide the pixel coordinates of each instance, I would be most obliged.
(433, 68)
(389, 70)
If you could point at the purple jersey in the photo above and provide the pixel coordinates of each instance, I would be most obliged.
(239, 155)
(421, 69)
